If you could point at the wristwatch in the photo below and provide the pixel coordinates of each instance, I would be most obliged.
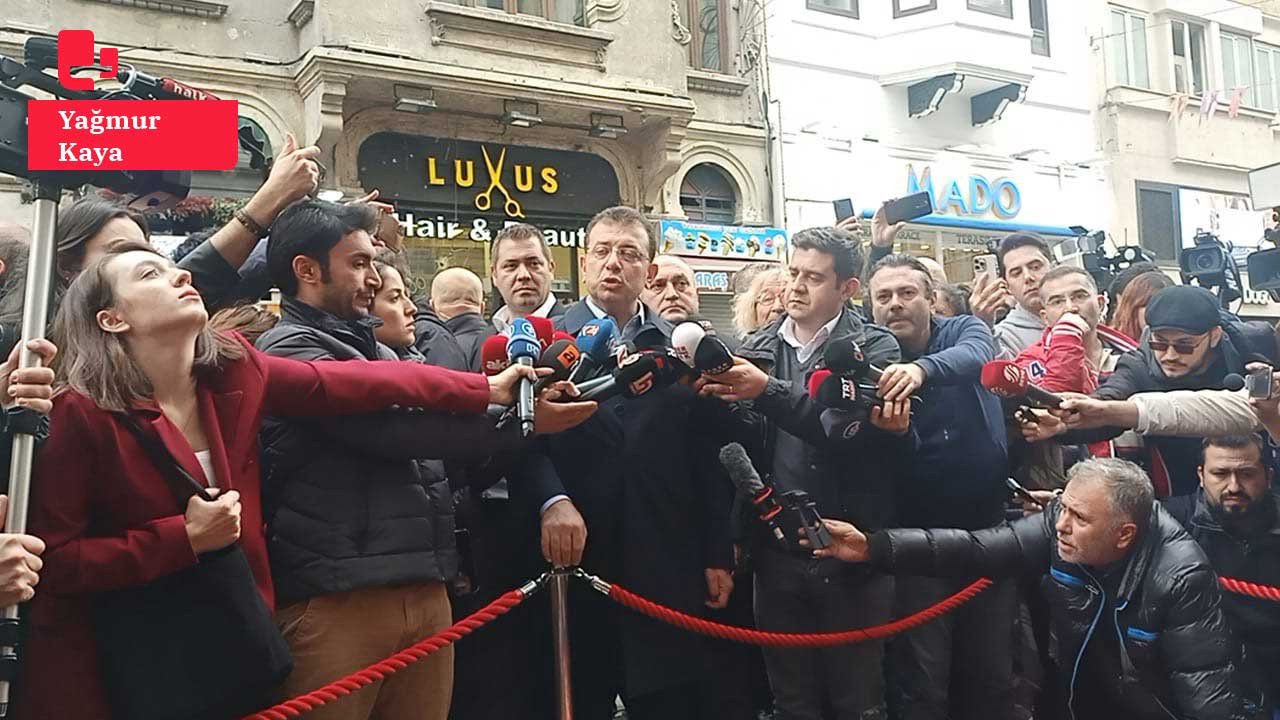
(250, 224)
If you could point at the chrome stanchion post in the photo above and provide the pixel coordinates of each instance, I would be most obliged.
(560, 636)
(35, 318)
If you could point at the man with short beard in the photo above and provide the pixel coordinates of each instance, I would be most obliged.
(1236, 520)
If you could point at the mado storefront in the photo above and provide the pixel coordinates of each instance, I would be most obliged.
(452, 196)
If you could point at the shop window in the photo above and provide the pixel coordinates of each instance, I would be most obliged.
(706, 195)
(903, 8)
(1039, 12)
(1159, 227)
(1237, 66)
(1003, 8)
(1188, 57)
(1126, 55)
(569, 12)
(706, 21)
(838, 7)
(1268, 61)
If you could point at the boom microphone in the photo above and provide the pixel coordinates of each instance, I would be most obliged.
(493, 355)
(845, 357)
(1004, 378)
(523, 348)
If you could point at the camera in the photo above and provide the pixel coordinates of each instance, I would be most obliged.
(1091, 251)
(1211, 266)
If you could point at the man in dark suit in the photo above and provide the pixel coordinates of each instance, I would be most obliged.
(634, 497)
(523, 270)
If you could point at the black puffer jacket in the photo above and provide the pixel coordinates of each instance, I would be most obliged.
(1177, 655)
(346, 500)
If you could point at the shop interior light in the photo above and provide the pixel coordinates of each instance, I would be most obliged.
(520, 113)
(329, 195)
(607, 126)
(415, 99)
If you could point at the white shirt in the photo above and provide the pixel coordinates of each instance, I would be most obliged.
(804, 351)
(205, 458)
(502, 318)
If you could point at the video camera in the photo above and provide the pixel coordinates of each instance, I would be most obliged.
(1211, 266)
(145, 188)
(1089, 250)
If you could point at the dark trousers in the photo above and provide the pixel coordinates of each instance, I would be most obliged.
(736, 686)
(799, 594)
(960, 665)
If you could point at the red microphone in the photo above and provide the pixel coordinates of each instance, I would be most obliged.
(559, 335)
(815, 381)
(545, 331)
(493, 355)
(1004, 378)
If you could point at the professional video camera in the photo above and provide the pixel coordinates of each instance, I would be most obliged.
(1211, 266)
(1088, 250)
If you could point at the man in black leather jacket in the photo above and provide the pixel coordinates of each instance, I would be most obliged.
(1135, 606)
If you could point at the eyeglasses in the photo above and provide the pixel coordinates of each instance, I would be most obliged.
(1079, 297)
(1182, 347)
(626, 254)
(764, 299)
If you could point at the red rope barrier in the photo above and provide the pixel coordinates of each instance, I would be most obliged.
(379, 670)
(1244, 587)
(629, 599)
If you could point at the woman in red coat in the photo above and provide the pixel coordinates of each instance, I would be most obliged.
(135, 338)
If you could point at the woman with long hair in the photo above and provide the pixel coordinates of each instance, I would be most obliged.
(1131, 310)
(762, 303)
(137, 349)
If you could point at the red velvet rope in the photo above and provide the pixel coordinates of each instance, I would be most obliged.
(760, 637)
(379, 670)
(1244, 587)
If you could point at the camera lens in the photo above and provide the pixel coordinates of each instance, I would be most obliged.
(1206, 262)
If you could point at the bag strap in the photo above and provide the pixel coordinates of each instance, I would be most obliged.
(180, 481)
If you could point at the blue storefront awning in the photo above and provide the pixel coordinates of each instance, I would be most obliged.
(951, 221)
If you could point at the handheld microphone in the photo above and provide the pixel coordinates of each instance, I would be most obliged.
(750, 487)
(493, 355)
(593, 341)
(637, 374)
(523, 348)
(1004, 378)
(561, 335)
(702, 351)
(1233, 382)
(844, 356)
(543, 330)
(561, 358)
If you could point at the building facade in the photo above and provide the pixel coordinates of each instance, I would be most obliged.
(470, 114)
(985, 104)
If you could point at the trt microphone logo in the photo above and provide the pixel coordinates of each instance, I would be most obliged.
(75, 50)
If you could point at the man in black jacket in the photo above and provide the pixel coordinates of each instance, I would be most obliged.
(457, 296)
(850, 474)
(633, 495)
(1236, 520)
(1135, 605)
(523, 271)
(361, 542)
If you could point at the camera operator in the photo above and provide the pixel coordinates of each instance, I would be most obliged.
(1236, 520)
(361, 537)
(958, 666)
(1024, 260)
(1134, 602)
(633, 494)
(845, 476)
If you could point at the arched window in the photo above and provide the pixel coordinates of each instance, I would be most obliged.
(707, 195)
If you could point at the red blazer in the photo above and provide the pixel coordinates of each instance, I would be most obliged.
(111, 521)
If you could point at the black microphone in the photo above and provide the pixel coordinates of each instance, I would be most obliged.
(751, 488)
(844, 356)
(637, 374)
(1233, 382)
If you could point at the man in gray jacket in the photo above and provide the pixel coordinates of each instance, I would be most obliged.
(1024, 260)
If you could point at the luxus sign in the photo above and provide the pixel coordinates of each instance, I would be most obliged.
(976, 197)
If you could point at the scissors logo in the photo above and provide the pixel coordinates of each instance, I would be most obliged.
(484, 200)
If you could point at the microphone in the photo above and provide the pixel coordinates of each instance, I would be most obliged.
(836, 392)
(543, 329)
(561, 335)
(637, 374)
(561, 358)
(699, 349)
(844, 356)
(493, 355)
(1007, 380)
(1233, 382)
(749, 485)
(523, 348)
(593, 342)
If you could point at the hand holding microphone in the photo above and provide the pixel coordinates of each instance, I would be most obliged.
(594, 342)
(523, 349)
(1004, 378)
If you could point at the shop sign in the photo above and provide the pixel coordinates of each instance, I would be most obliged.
(481, 229)
(976, 197)
(686, 238)
(514, 181)
(712, 280)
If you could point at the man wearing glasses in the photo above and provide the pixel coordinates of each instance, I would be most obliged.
(1191, 346)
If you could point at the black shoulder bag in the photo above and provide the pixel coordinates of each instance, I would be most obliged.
(198, 644)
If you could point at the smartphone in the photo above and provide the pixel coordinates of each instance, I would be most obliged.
(844, 208)
(908, 208)
(986, 263)
(1022, 492)
(1258, 383)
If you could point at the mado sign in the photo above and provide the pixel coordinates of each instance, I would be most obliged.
(975, 198)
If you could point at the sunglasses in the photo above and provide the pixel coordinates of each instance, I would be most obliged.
(1182, 347)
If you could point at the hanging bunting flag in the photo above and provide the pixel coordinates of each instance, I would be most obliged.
(1208, 105)
(1237, 98)
(1178, 105)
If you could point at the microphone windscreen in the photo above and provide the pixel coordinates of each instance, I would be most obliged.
(544, 330)
(493, 355)
(562, 335)
(1233, 382)
(738, 465)
(1004, 378)
(815, 381)
(637, 373)
(523, 342)
(596, 337)
(560, 357)
(685, 339)
(838, 392)
(844, 356)
(842, 424)
(713, 356)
